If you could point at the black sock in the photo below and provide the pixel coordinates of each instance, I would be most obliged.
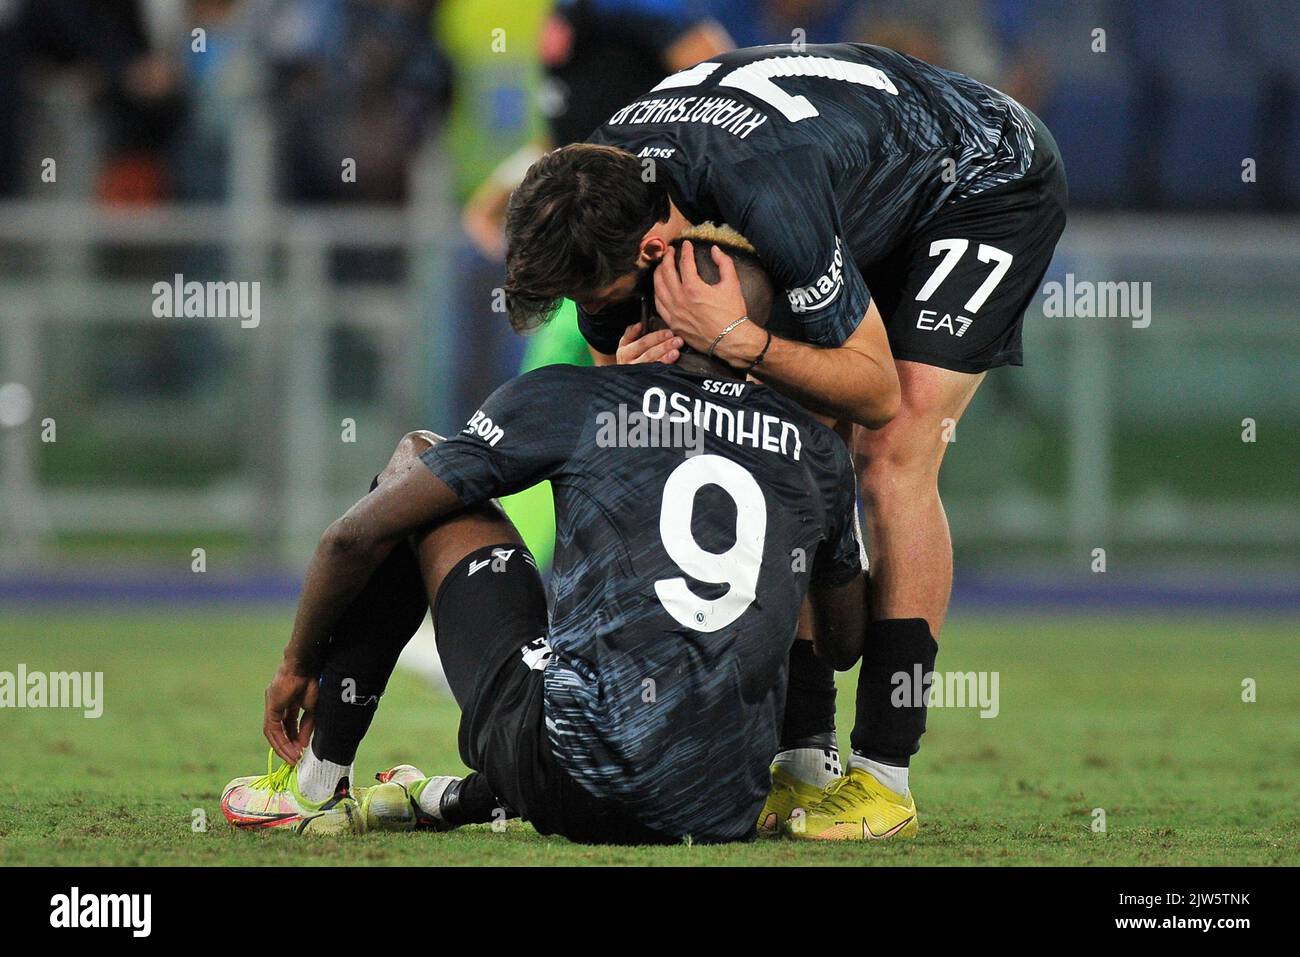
(884, 731)
(363, 652)
(809, 701)
(472, 802)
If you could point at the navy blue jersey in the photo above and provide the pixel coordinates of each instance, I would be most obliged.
(826, 159)
(690, 513)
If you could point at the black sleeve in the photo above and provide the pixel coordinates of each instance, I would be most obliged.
(785, 205)
(841, 556)
(604, 329)
(524, 433)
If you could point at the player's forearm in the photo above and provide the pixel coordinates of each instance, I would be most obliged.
(342, 565)
(842, 382)
(839, 622)
(406, 501)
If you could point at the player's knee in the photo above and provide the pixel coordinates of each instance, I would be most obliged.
(898, 464)
(412, 445)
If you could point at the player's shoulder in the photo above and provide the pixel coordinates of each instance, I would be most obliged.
(555, 372)
(582, 382)
(633, 377)
(842, 50)
(552, 381)
(806, 57)
(824, 447)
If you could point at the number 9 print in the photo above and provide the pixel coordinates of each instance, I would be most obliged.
(737, 567)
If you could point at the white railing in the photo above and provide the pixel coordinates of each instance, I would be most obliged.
(284, 496)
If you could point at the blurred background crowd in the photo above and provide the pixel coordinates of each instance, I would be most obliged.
(1172, 90)
(353, 156)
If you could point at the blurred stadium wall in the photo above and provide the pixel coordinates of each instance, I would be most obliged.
(141, 141)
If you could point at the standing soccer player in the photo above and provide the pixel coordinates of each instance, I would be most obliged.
(909, 214)
(597, 55)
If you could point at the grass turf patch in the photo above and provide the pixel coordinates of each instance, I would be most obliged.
(1141, 717)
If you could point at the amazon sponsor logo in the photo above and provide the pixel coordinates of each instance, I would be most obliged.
(825, 290)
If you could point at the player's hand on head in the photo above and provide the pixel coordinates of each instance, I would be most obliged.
(662, 345)
(290, 712)
(695, 310)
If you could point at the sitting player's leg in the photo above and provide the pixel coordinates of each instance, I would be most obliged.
(480, 626)
(809, 757)
(911, 577)
(362, 654)
(490, 622)
(490, 619)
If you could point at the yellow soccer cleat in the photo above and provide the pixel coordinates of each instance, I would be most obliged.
(788, 792)
(386, 807)
(394, 803)
(855, 807)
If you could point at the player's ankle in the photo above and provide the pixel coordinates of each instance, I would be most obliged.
(318, 779)
(436, 797)
(813, 760)
(892, 776)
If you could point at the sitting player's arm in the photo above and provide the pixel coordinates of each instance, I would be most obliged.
(839, 620)
(523, 434)
(837, 590)
(347, 555)
(353, 547)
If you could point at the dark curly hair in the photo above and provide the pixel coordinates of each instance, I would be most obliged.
(574, 225)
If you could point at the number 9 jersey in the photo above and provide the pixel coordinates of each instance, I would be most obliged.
(691, 513)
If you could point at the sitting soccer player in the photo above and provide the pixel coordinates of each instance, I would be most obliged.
(693, 510)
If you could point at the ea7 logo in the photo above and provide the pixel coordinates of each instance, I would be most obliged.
(930, 321)
(824, 291)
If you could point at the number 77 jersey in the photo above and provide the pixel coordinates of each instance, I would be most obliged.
(691, 514)
(827, 158)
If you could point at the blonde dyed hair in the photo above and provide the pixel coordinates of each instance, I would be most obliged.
(721, 235)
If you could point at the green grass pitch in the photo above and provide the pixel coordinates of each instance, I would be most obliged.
(1140, 716)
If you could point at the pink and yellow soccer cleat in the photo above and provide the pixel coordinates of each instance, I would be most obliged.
(272, 800)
